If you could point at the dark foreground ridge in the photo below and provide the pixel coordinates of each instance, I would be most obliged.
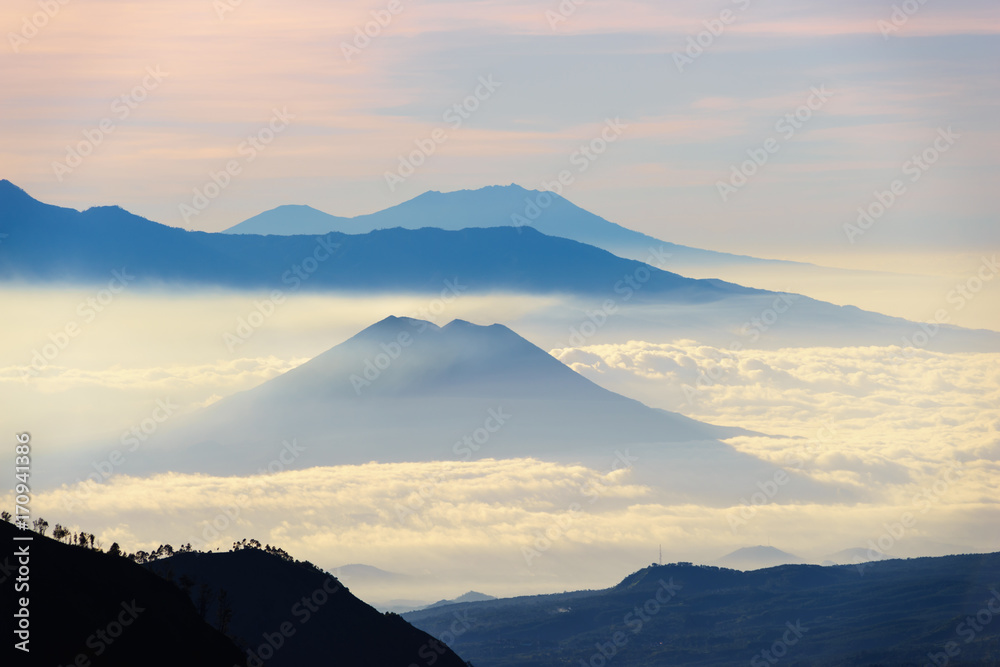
(91, 608)
(924, 611)
(249, 606)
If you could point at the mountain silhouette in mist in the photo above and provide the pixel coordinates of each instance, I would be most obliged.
(755, 558)
(491, 206)
(57, 246)
(52, 244)
(407, 390)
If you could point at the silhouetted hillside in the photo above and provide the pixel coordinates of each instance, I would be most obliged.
(87, 607)
(294, 614)
(898, 612)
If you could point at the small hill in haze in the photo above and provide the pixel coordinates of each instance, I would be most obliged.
(471, 596)
(854, 555)
(755, 558)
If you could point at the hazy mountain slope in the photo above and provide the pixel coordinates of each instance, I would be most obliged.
(896, 613)
(755, 558)
(324, 623)
(52, 245)
(291, 219)
(491, 206)
(513, 205)
(458, 393)
(47, 243)
(75, 593)
(407, 390)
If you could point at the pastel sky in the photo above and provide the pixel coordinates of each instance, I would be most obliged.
(225, 66)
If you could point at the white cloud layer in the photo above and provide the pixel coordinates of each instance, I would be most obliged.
(923, 436)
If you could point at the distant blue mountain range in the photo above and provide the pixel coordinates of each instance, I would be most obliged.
(46, 244)
(53, 244)
(492, 206)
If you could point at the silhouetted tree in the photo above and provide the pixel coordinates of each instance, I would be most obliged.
(225, 611)
(5, 515)
(115, 550)
(186, 583)
(60, 532)
(203, 594)
(41, 525)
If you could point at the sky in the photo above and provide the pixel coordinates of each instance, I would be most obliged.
(647, 107)
(765, 138)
